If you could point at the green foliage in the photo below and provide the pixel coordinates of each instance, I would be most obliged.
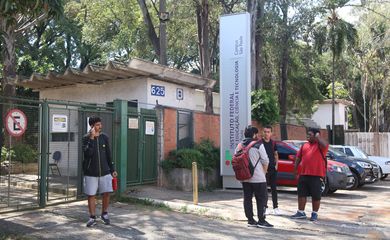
(5, 154)
(205, 154)
(339, 89)
(265, 108)
(25, 153)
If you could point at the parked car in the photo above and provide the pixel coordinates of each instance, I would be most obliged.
(339, 175)
(363, 170)
(354, 151)
(297, 143)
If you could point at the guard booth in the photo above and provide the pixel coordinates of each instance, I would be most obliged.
(127, 97)
(41, 160)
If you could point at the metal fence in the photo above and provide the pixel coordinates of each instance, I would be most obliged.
(377, 144)
(19, 143)
(42, 165)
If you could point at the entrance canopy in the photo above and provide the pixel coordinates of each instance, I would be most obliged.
(113, 71)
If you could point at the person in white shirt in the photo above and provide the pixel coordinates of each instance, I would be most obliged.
(257, 184)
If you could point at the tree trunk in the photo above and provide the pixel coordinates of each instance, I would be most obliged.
(9, 60)
(259, 46)
(333, 99)
(252, 9)
(283, 73)
(68, 50)
(202, 13)
(151, 32)
(163, 35)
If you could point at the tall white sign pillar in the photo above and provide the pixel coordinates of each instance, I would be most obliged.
(235, 88)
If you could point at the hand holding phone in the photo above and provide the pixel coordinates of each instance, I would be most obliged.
(92, 132)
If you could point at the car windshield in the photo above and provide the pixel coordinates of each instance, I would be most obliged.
(293, 146)
(362, 153)
(337, 152)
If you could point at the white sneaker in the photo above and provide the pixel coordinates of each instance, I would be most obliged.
(277, 211)
(268, 211)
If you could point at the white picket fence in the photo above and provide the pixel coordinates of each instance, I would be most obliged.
(377, 144)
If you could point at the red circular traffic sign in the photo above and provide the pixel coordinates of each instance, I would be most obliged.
(16, 122)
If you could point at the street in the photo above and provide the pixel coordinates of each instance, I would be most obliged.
(344, 215)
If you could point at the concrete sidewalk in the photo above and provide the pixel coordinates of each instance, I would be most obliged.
(346, 215)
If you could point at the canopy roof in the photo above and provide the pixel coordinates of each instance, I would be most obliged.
(114, 71)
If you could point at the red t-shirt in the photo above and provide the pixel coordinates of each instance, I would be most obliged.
(312, 162)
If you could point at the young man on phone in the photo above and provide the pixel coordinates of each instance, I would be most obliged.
(98, 169)
(312, 173)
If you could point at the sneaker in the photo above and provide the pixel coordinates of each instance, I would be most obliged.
(91, 222)
(277, 212)
(299, 215)
(252, 223)
(268, 211)
(264, 224)
(105, 219)
(314, 216)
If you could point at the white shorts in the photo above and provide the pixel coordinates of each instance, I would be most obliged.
(92, 184)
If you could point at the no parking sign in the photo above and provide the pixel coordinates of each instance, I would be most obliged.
(16, 122)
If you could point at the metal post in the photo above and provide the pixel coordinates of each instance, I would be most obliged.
(44, 149)
(195, 182)
(120, 133)
(9, 168)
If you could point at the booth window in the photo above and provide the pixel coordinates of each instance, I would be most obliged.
(62, 137)
(184, 129)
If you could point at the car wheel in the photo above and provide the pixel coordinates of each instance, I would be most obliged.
(332, 191)
(326, 190)
(355, 181)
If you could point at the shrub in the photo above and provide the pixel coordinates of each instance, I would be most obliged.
(204, 154)
(5, 152)
(25, 153)
(210, 153)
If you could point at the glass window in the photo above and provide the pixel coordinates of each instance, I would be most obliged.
(184, 129)
(284, 152)
(62, 137)
(340, 149)
(348, 152)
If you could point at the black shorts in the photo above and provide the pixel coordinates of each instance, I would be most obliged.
(310, 186)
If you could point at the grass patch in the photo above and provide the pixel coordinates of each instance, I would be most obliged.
(9, 236)
(143, 202)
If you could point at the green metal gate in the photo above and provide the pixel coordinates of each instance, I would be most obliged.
(142, 146)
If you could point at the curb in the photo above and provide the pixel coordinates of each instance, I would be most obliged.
(191, 208)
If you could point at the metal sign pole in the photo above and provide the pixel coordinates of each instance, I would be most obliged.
(9, 169)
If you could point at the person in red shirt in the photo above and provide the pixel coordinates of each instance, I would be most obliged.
(312, 161)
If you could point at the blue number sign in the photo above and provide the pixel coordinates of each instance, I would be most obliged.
(157, 90)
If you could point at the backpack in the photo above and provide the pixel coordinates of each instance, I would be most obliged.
(242, 165)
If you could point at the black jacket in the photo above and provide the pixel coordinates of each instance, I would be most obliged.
(97, 160)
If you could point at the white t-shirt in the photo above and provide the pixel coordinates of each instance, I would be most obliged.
(255, 154)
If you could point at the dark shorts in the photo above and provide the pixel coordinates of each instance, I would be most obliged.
(310, 186)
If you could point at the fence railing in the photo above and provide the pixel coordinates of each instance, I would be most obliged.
(377, 144)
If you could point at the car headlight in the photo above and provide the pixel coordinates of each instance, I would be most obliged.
(387, 163)
(335, 169)
(364, 164)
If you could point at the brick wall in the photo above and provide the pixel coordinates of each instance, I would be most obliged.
(206, 126)
(170, 133)
(294, 132)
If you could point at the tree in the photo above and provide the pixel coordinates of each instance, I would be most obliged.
(334, 34)
(17, 17)
(202, 16)
(264, 107)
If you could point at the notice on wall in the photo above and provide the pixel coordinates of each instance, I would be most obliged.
(133, 123)
(149, 128)
(59, 123)
(235, 84)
